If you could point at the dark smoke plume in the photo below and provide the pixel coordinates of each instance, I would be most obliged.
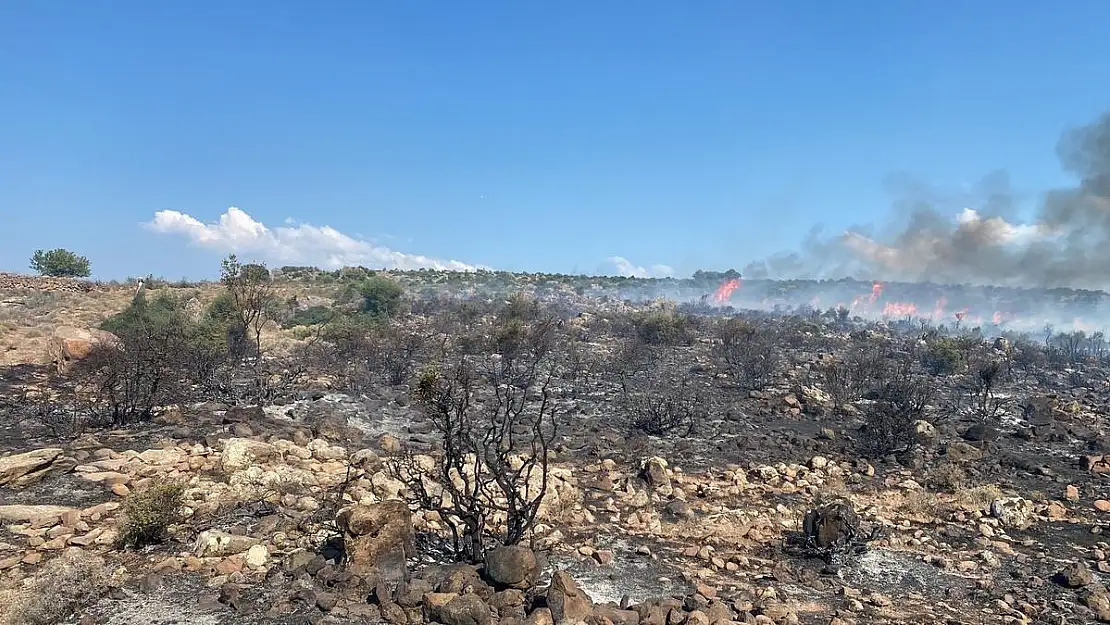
(1066, 245)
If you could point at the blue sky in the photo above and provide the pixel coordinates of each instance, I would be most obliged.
(516, 135)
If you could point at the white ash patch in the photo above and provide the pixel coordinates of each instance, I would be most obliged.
(155, 610)
(638, 577)
(895, 572)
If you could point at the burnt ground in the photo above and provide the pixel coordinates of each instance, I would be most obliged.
(739, 483)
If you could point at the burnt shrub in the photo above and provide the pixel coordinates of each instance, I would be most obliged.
(748, 352)
(160, 356)
(849, 378)
(889, 419)
(946, 478)
(495, 417)
(658, 403)
(65, 585)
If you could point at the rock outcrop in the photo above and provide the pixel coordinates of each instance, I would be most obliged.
(378, 539)
(69, 345)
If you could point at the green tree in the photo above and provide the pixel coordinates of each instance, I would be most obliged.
(61, 263)
(251, 304)
(381, 295)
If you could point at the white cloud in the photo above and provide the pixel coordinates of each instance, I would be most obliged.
(292, 244)
(626, 267)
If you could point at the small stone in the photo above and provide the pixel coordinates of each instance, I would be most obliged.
(257, 556)
(1102, 505)
(326, 601)
(1071, 493)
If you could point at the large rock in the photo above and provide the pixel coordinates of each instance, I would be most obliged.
(1013, 512)
(242, 453)
(19, 513)
(213, 543)
(19, 465)
(378, 539)
(514, 567)
(69, 345)
(567, 602)
(654, 472)
(465, 610)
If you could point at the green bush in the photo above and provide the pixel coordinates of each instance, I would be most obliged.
(159, 315)
(147, 514)
(60, 263)
(311, 316)
(942, 356)
(664, 328)
(381, 296)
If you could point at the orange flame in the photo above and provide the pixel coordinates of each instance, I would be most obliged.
(725, 290)
(899, 309)
(938, 309)
(876, 291)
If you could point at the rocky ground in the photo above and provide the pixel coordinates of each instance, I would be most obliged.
(291, 516)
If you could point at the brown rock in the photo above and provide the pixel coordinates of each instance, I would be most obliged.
(43, 515)
(379, 539)
(1071, 493)
(617, 616)
(19, 465)
(541, 616)
(69, 345)
(1098, 600)
(568, 603)
(514, 567)
(465, 610)
(1075, 575)
(1102, 505)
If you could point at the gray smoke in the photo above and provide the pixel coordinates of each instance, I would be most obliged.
(936, 238)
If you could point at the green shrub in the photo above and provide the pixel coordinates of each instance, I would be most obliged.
(61, 263)
(313, 315)
(664, 328)
(147, 514)
(159, 315)
(942, 356)
(381, 296)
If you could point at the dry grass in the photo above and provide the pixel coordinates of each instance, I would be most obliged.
(64, 586)
(979, 497)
